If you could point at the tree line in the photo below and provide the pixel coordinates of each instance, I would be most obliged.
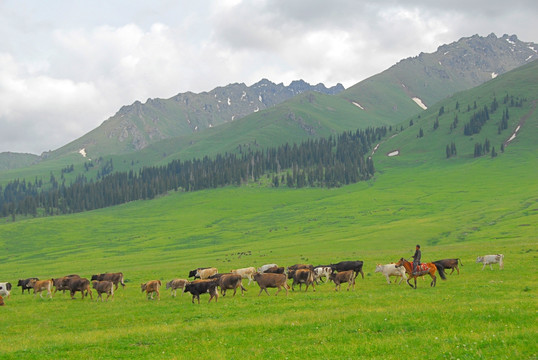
(322, 162)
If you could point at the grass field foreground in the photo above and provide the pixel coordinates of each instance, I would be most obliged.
(453, 211)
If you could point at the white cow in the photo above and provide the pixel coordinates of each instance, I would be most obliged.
(5, 289)
(391, 270)
(491, 259)
(321, 271)
(246, 273)
(265, 267)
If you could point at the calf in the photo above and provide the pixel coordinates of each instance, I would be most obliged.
(151, 287)
(231, 281)
(40, 285)
(302, 276)
(201, 287)
(391, 270)
(176, 284)
(343, 277)
(206, 273)
(264, 268)
(246, 273)
(1, 301)
(104, 287)
(321, 271)
(79, 284)
(356, 266)
(116, 278)
(23, 283)
(5, 289)
(276, 270)
(271, 281)
(491, 259)
(449, 264)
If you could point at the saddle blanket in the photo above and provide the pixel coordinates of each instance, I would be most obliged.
(422, 267)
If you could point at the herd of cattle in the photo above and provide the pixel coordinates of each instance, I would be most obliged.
(207, 280)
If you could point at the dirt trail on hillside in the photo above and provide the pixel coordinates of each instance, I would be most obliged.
(520, 124)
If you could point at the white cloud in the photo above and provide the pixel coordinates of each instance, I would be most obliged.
(67, 66)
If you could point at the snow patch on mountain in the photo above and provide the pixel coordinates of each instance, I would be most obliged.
(419, 103)
(357, 105)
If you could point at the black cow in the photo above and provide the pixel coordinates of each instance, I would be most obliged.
(23, 283)
(449, 264)
(201, 287)
(356, 266)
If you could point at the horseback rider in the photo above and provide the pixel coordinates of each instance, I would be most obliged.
(416, 259)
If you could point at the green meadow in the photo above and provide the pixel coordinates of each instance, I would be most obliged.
(453, 209)
(460, 207)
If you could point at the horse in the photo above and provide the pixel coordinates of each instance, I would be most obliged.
(430, 269)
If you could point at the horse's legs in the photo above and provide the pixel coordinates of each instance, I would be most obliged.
(434, 279)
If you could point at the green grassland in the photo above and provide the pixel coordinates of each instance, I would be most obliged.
(478, 207)
(460, 207)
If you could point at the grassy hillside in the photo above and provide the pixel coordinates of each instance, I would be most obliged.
(9, 160)
(519, 84)
(461, 207)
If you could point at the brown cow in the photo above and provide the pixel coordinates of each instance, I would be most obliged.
(80, 284)
(151, 287)
(343, 277)
(271, 281)
(40, 285)
(104, 287)
(216, 276)
(62, 283)
(176, 284)
(302, 276)
(231, 281)
(116, 278)
(300, 266)
(1, 301)
(201, 287)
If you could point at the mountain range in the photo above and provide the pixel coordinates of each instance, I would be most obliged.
(266, 114)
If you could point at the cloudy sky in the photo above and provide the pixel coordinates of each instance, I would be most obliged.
(68, 65)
